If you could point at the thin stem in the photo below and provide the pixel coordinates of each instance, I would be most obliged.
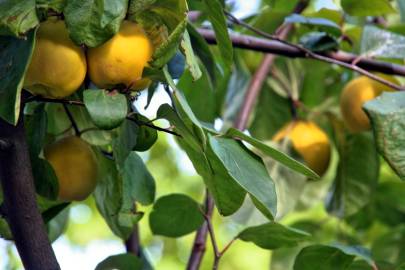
(313, 55)
(80, 103)
(228, 246)
(132, 244)
(198, 250)
(217, 254)
(275, 47)
(72, 120)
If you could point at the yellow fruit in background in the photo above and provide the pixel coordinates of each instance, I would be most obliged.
(58, 67)
(309, 141)
(354, 95)
(75, 166)
(121, 59)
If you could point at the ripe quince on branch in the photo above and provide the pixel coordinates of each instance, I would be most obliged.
(121, 60)
(58, 67)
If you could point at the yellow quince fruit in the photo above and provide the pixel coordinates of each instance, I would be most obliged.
(58, 67)
(121, 60)
(355, 94)
(75, 167)
(309, 141)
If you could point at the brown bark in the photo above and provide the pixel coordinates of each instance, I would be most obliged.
(19, 205)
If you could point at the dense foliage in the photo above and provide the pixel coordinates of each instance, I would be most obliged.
(315, 176)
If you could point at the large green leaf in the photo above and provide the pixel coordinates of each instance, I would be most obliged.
(367, 7)
(138, 179)
(387, 117)
(227, 194)
(107, 109)
(110, 195)
(124, 261)
(93, 22)
(175, 215)
(357, 175)
(391, 46)
(45, 180)
(297, 18)
(15, 55)
(273, 153)
(273, 235)
(185, 112)
(318, 257)
(248, 171)
(216, 16)
(124, 142)
(200, 95)
(17, 17)
(269, 119)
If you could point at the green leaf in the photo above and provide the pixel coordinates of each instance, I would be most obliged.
(200, 95)
(390, 46)
(356, 177)
(146, 136)
(191, 60)
(17, 17)
(107, 109)
(15, 55)
(35, 129)
(124, 261)
(124, 142)
(167, 50)
(390, 246)
(387, 118)
(367, 7)
(175, 215)
(227, 194)
(297, 18)
(273, 153)
(92, 22)
(136, 178)
(319, 42)
(203, 51)
(165, 22)
(319, 257)
(269, 119)
(5, 231)
(273, 235)
(248, 171)
(184, 110)
(57, 225)
(109, 195)
(45, 180)
(216, 16)
(357, 251)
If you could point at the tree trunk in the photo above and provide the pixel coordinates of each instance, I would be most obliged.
(19, 206)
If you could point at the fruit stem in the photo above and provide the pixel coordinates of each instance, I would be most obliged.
(72, 120)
